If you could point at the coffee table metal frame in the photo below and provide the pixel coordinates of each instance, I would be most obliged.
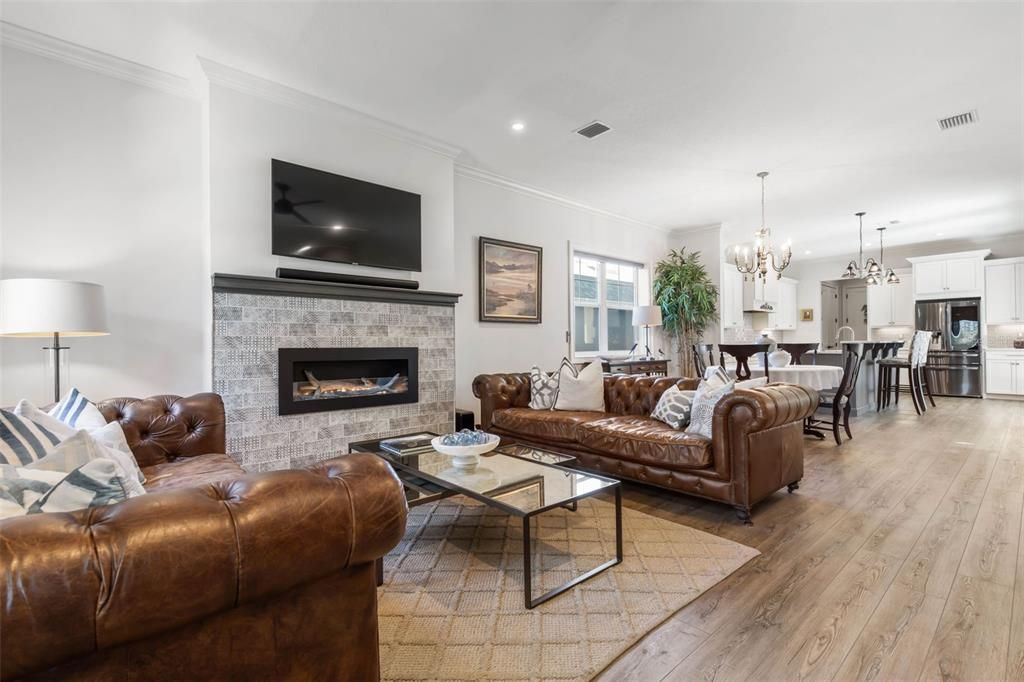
(431, 489)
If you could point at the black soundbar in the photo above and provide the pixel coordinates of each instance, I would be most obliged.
(342, 278)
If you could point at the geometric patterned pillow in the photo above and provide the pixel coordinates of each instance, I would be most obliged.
(96, 483)
(543, 389)
(22, 441)
(702, 412)
(673, 407)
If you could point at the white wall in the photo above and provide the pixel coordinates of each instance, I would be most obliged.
(101, 182)
(486, 209)
(247, 131)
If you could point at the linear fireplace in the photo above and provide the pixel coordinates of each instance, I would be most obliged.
(323, 379)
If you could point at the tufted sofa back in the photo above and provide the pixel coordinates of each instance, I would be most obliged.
(164, 427)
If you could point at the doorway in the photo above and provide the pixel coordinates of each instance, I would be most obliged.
(855, 310)
(829, 314)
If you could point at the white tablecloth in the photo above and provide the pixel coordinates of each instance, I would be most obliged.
(818, 377)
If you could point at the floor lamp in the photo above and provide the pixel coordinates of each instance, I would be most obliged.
(647, 316)
(51, 308)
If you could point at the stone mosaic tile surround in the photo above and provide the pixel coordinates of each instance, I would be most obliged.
(248, 329)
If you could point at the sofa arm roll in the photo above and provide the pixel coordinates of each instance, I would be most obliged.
(499, 391)
(78, 582)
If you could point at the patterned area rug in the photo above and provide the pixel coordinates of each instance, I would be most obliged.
(451, 607)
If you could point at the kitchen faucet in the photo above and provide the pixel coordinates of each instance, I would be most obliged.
(839, 334)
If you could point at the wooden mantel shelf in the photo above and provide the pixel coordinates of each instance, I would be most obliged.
(275, 286)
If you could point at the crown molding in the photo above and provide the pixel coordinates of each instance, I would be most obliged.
(257, 86)
(490, 178)
(27, 40)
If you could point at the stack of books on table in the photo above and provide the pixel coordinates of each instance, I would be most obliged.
(416, 444)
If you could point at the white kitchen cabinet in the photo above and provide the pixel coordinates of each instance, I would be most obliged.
(1004, 373)
(892, 305)
(1004, 291)
(950, 275)
(731, 297)
(785, 316)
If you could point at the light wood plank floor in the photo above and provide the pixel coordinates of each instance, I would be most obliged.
(900, 558)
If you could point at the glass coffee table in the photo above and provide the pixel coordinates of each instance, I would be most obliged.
(520, 480)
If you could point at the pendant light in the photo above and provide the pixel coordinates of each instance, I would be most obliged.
(859, 268)
(764, 255)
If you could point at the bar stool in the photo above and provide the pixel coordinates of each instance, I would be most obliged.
(889, 374)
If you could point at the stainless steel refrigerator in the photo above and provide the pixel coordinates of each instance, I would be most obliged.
(954, 358)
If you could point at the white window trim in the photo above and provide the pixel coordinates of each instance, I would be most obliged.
(603, 305)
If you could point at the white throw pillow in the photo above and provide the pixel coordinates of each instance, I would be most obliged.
(582, 390)
(543, 389)
(673, 407)
(75, 410)
(716, 376)
(20, 488)
(23, 441)
(752, 383)
(81, 448)
(702, 412)
(111, 435)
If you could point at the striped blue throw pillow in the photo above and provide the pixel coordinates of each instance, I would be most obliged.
(77, 411)
(22, 441)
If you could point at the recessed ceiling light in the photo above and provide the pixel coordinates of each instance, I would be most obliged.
(939, 234)
(518, 126)
(337, 227)
(867, 243)
(303, 249)
(807, 252)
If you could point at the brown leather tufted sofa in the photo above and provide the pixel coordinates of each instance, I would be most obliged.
(216, 574)
(756, 446)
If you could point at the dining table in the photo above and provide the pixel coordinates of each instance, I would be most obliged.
(818, 377)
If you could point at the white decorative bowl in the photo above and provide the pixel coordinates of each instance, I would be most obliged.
(779, 358)
(465, 455)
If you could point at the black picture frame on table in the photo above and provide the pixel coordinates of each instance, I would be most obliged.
(517, 261)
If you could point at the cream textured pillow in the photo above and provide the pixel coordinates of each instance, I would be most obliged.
(582, 390)
(702, 413)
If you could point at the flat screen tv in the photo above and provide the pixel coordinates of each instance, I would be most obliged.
(328, 217)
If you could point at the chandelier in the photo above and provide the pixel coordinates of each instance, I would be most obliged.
(764, 254)
(871, 270)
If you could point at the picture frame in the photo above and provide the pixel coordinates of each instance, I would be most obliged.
(807, 314)
(511, 281)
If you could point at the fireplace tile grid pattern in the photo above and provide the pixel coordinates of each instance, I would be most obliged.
(249, 329)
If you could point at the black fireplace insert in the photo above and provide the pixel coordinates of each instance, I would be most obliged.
(323, 379)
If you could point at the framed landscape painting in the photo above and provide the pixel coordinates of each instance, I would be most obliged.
(510, 281)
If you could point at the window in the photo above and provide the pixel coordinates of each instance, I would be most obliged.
(604, 293)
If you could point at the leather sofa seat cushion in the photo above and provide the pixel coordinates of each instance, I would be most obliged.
(191, 471)
(647, 441)
(549, 425)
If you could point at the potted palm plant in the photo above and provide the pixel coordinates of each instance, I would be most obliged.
(688, 300)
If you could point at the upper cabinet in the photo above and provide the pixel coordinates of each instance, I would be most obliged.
(731, 297)
(950, 275)
(1004, 291)
(785, 315)
(892, 305)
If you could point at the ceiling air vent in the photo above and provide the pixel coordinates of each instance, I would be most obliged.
(963, 119)
(592, 130)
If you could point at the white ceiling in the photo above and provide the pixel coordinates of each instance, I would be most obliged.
(837, 100)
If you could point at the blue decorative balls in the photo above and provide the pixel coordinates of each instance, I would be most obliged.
(466, 437)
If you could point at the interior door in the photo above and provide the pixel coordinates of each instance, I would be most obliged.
(829, 315)
(855, 305)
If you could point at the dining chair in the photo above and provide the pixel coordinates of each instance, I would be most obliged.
(703, 357)
(797, 350)
(742, 352)
(839, 400)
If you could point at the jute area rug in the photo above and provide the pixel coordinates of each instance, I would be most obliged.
(451, 607)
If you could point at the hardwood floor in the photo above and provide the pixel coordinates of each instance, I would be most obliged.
(900, 558)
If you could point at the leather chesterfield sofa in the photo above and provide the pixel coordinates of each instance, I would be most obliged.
(215, 574)
(756, 446)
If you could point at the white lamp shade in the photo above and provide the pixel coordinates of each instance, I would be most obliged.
(647, 316)
(43, 307)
